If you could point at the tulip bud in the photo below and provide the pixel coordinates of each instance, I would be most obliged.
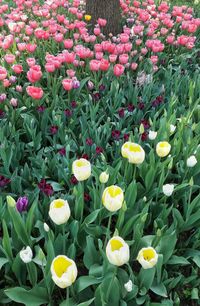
(26, 254)
(152, 135)
(168, 189)
(10, 201)
(46, 227)
(191, 161)
(103, 178)
(128, 286)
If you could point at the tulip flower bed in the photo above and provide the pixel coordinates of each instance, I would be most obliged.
(99, 156)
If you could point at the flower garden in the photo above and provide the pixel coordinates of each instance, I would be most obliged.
(99, 155)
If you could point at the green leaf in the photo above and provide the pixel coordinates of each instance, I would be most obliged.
(86, 281)
(131, 194)
(19, 226)
(178, 260)
(159, 289)
(34, 297)
(3, 261)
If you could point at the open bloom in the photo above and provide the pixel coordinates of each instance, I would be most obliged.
(26, 254)
(59, 211)
(63, 271)
(117, 251)
(34, 92)
(133, 152)
(147, 257)
(81, 169)
(113, 198)
(163, 148)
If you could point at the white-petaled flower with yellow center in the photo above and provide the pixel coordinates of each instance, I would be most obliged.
(59, 211)
(81, 169)
(26, 254)
(113, 198)
(147, 257)
(133, 152)
(64, 271)
(163, 148)
(117, 251)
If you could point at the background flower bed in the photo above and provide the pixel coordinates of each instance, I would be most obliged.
(41, 138)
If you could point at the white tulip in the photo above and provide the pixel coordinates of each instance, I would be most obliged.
(64, 271)
(172, 128)
(103, 177)
(133, 152)
(117, 251)
(191, 161)
(113, 198)
(81, 169)
(168, 189)
(129, 286)
(147, 257)
(152, 135)
(46, 227)
(26, 254)
(59, 211)
(163, 148)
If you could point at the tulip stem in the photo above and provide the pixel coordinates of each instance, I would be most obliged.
(130, 270)
(108, 230)
(67, 293)
(63, 230)
(111, 283)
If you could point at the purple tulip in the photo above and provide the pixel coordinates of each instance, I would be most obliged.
(22, 204)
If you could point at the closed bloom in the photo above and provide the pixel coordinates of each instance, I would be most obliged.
(87, 17)
(26, 255)
(147, 257)
(191, 161)
(134, 152)
(168, 189)
(129, 286)
(163, 148)
(103, 177)
(22, 204)
(64, 271)
(117, 251)
(81, 169)
(113, 198)
(152, 135)
(46, 227)
(10, 201)
(172, 128)
(59, 211)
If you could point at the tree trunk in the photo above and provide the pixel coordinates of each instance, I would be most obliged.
(106, 9)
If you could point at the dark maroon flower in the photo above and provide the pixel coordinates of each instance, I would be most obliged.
(130, 108)
(87, 197)
(99, 150)
(141, 105)
(144, 136)
(68, 112)
(4, 181)
(160, 99)
(126, 137)
(121, 113)
(145, 123)
(73, 104)
(89, 141)
(116, 134)
(96, 96)
(22, 204)
(2, 113)
(41, 108)
(62, 151)
(73, 180)
(54, 129)
(85, 156)
(46, 188)
(102, 87)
